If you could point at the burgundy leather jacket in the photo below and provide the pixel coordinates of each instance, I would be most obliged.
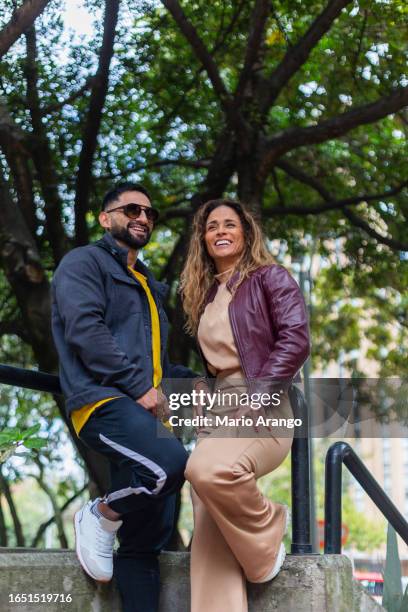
(270, 324)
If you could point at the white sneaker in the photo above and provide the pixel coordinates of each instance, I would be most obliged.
(280, 557)
(94, 540)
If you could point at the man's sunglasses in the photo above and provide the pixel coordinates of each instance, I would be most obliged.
(133, 211)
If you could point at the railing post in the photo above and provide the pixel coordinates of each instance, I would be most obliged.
(332, 501)
(301, 542)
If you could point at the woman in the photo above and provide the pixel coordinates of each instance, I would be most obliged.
(251, 323)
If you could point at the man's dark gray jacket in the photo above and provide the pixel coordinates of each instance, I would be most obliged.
(102, 328)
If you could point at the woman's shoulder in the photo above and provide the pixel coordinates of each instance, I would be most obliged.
(272, 271)
(271, 277)
(275, 275)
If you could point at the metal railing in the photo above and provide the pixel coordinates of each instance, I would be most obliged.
(300, 466)
(29, 379)
(338, 454)
(301, 544)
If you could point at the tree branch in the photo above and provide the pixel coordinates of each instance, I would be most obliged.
(169, 115)
(14, 146)
(332, 128)
(302, 177)
(22, 266)
(42, 156)
(52, 108)
(54, 503)
(175, 213)
(15, 328)
(93, 121)
(22, 18)
(277, 188)
(3, 526)
(331, 204)
(224, 34)
(357, 221)
(179, 249)
(184, 163)
(254, 43)
(297, 55)
(359, 47)
(201, 51)
(44, 526)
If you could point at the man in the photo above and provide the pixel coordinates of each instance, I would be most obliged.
(110, 331)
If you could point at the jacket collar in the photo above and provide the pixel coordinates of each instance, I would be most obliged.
(120, 253)
(232, 281)
(213, 289)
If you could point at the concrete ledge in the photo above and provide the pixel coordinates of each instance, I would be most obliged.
(312, 583)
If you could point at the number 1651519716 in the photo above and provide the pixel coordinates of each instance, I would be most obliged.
(40, 597)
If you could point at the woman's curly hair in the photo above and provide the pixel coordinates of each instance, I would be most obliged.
(198, 272)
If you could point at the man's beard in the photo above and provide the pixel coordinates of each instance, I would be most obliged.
(125, 236)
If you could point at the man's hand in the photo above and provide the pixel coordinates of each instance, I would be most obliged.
(150, 400)
(200, 385)
(156, 402)
(163, 410)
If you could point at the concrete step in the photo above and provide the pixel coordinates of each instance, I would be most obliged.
(311, 583)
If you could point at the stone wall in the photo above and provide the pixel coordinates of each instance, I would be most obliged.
(312, 583)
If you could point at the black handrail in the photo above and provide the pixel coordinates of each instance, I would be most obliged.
(301, 543)
(339, 453)
(29, 379)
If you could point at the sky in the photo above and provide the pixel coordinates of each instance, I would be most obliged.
(77, 17)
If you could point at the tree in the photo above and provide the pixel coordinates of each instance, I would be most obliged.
(299, 110)
(27, 455)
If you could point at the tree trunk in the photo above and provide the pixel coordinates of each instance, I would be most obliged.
(57, 511)
(250, 185)
(18, 530)
(3, 528)
(22, 265)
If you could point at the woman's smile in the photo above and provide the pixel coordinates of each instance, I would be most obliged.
(224, 237)
(222, 243)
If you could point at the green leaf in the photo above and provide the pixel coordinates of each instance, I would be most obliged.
(35, 443)
(8, 438)
(31, 431)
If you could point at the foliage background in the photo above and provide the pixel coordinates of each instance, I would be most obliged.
(299, 109)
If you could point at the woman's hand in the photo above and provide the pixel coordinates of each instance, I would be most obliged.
(200, 407)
